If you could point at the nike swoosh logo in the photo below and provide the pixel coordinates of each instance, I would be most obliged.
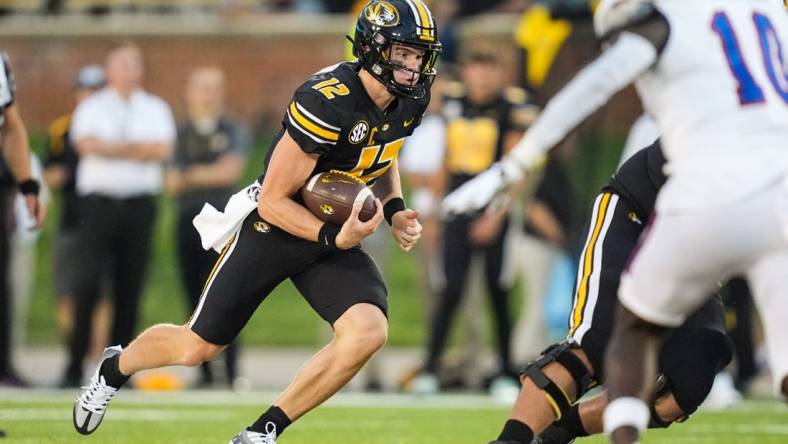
(408, 122)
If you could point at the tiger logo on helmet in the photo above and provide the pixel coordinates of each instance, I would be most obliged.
(382, 14)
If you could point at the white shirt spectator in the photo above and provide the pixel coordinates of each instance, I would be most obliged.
(107, 116)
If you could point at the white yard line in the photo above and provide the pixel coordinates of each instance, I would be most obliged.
(214, 398)
(154, 415)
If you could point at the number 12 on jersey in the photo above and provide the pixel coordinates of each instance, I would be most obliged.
(771, 48)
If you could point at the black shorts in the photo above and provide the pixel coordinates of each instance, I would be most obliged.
(613, 232)
(259, 257)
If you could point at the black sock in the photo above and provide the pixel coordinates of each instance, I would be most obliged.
(571, 422)
(516, 431)
(273, 415)
(110, 370)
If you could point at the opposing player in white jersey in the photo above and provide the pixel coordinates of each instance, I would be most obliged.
(713, 74)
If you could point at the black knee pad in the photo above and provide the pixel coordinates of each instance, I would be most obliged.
(561, 354)
(689, 361)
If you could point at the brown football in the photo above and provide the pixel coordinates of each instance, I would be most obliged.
(330, 197)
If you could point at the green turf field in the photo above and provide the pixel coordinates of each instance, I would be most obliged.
(214, 417)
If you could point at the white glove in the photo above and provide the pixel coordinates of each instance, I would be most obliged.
(479, 191)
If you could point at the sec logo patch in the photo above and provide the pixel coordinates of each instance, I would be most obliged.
(359, 132)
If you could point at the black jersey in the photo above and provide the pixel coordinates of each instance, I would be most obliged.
(474, 132)
(332, 115)
(639, 179)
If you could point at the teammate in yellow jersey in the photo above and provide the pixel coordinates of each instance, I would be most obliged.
(484, 120)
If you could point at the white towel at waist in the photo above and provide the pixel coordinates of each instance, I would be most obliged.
(217, 227)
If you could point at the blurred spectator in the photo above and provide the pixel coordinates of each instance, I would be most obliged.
(209, 159)
(60, 174)
(541, 245)
(538, 36)
(484, 120)
(122, 135)
(14, 174)
(420, 165)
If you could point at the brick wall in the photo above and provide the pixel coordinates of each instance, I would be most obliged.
(261, 73)
(264, 58)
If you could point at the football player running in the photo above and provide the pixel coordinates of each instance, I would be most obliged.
(352, 117)
(712, 73)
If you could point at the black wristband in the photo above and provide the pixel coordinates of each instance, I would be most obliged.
(392, 207)
(29, 186)
(327, 236)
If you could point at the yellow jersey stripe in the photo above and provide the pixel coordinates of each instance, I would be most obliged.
(310, 126)
(211, 276)
(316, 120)
(218, 261)
(588, 261)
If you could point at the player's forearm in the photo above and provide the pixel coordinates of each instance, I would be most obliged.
(389, 185)
(616, 68)
(155, 151)
(152, 151)
(288, 215)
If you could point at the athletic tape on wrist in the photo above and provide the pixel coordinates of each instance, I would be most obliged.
(626, 411)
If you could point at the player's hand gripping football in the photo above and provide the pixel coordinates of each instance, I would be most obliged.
(353, 231)
(406, 229)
